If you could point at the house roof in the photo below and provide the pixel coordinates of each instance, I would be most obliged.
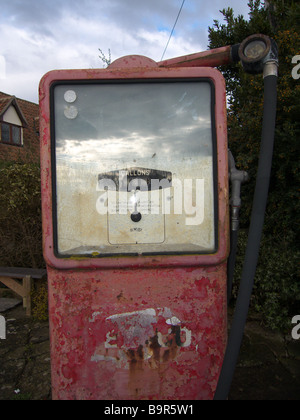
(27, 111)
(4, 103)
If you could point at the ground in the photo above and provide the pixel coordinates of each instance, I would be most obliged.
(268, 367)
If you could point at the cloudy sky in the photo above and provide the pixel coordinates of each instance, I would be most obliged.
(41, 35)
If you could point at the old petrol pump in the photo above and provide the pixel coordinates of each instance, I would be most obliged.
(134, 165)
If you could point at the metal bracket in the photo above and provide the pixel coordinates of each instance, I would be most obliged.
(236, 178)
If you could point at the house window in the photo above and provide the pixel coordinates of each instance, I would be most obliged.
(11, 134)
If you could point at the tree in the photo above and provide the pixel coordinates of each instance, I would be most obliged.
(106, 60)
(278, 19)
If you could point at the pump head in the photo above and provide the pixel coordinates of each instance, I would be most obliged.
(256, 51)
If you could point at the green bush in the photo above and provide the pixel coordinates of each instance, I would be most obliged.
(20, 216)
(276, 291)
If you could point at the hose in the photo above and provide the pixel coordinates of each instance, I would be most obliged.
(254, 237)
(234, 234)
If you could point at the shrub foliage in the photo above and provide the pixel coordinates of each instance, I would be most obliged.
(20, 216)
(276, 292)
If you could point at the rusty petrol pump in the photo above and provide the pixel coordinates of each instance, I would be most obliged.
(136, 229)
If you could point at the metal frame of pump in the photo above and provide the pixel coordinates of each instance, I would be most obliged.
(258, 54)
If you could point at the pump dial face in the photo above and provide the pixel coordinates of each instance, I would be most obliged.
(255, 49)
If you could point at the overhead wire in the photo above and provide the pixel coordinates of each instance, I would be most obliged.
(180, 10)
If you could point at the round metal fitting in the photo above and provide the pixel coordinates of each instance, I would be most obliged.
(254, 51)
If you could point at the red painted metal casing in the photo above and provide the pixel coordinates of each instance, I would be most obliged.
(136, 327)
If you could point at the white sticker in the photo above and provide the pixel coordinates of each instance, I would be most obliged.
(70, 96)
(71, 112)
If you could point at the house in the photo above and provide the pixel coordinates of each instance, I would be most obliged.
(19, 137)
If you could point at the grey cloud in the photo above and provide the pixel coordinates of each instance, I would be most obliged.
(42, 16)
(67, 33)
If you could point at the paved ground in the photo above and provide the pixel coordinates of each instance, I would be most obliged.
(268, 369)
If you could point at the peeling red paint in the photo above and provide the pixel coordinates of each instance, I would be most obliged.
(96, 336)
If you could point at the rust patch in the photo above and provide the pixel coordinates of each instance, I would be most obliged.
(121, 297)
(153, 351)
(149, 336)
(155, 347)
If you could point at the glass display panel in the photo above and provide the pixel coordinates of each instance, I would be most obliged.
(133, 168)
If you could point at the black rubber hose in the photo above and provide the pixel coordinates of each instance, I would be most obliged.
(254, 237)
(231, 262)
